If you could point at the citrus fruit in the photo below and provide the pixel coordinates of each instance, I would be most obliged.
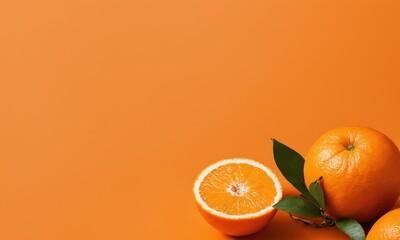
(360, 169)
(387, 227)
(236, 195)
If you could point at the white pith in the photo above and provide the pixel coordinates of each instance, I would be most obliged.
(206, 171)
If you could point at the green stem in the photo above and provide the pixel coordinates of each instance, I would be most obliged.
(350, 147)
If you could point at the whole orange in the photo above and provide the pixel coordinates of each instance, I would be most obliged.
(361, 172)
(387, 227)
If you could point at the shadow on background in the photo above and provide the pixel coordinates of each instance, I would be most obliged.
(283, 228)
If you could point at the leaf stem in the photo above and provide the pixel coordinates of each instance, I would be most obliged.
(327, 223)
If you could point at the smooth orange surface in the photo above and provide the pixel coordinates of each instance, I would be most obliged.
(110, 109)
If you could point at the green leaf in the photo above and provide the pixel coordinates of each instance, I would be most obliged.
(298, 206)
(291, 165)
(351, 228)
(317, 193)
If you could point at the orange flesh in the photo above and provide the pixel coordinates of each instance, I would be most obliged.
(238, 189)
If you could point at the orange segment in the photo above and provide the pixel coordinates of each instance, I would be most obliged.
(238, 189)
(236, 195)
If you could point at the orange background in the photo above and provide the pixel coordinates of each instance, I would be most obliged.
(110, 109)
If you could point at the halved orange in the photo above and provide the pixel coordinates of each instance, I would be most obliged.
(236, 195)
